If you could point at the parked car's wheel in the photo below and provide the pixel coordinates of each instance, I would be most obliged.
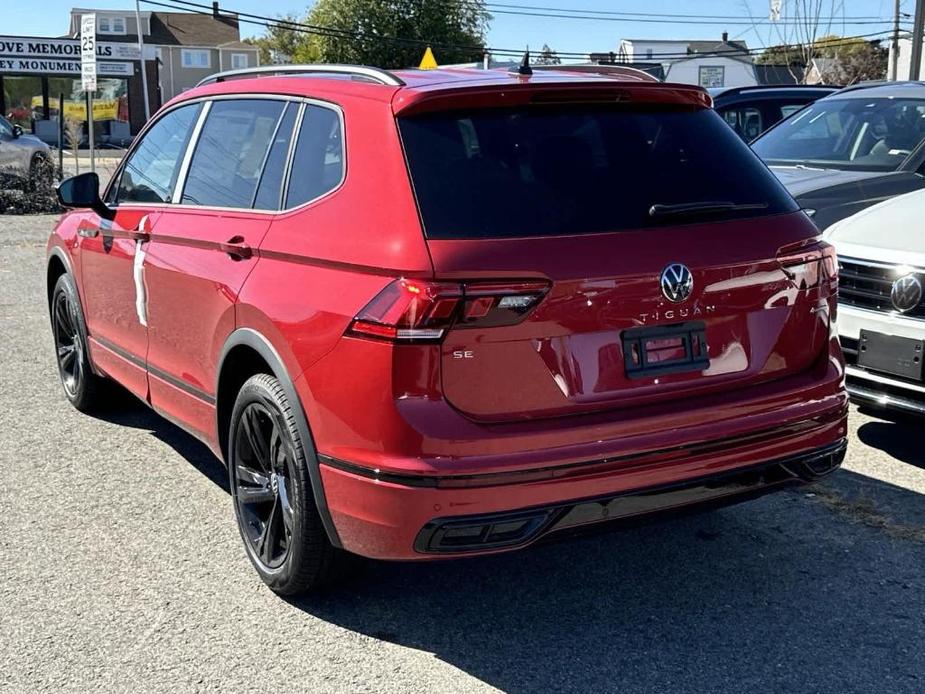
(276, 513)
(81, 386)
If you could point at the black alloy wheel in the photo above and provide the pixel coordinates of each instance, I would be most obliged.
(68, 344)
(85, 390)
(261, 476)
(271, 488)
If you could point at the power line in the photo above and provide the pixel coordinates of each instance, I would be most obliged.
(672, 16)
(332, 32)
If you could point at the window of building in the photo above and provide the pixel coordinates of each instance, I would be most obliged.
(151, 173)
(649, 53)
(196, 58)
(230, 153)
(238, 61)
(318, 164)
(110, 25)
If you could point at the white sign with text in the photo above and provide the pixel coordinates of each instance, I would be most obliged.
(88, 52)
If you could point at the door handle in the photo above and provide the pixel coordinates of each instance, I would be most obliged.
(142, 232)
(138, 235)
(236, 248)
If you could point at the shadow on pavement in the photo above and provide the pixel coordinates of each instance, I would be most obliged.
(125, 409)
(794, 592)
(779, 594)
(901, 437)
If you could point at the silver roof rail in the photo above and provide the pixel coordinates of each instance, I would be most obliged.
(370, 74)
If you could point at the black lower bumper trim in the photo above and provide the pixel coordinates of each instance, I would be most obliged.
(462, 534)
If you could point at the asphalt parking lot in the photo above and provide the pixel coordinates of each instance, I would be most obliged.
(122, 570)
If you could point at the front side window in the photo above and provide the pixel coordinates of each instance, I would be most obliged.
(866, 134)
(318, 163)
(150, 173)
(6, 130)
(194, 58)
(552, 171)
(229, 157)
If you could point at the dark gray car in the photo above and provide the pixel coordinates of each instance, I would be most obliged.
(857, 147)
(22, 157)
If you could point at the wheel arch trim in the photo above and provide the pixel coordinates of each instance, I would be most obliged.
(249, 337)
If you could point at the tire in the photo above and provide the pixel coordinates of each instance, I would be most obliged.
(83, 388)
(272, 495)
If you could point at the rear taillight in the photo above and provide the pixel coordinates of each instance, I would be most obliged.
(414, 310)
(809, 266)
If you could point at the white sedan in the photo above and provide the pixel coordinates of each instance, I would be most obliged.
(881, 314)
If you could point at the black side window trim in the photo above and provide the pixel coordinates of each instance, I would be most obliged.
(303, 103)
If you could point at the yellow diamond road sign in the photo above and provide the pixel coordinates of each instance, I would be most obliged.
(428, 62)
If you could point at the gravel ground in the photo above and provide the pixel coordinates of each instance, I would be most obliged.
(122, 571)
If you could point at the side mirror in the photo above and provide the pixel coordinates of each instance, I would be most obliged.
(17, 131)
(83, 191)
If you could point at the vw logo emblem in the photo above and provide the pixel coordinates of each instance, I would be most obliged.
(906, 293)
(677, 282)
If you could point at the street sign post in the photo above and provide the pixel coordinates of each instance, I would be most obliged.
(88, 73)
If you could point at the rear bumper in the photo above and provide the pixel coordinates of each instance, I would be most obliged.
(406, 517)
(509, 530)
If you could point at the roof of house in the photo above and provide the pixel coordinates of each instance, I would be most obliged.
(716, 46)
(778, 74)
(188, 29)
(698, 46)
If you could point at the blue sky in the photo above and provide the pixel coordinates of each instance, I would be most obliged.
(510, 31)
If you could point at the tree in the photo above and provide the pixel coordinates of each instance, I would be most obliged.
(394, 34)
(851, 60)
(797, 26)
(282, 43)
(547, 56)
(841, 60)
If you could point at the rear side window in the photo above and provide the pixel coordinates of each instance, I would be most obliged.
(150, 173)
(231, 151)
(318, 163)
(548, 171)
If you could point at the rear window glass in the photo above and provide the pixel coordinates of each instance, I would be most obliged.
(548, 171)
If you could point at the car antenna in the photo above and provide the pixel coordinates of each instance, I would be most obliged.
(524, 67)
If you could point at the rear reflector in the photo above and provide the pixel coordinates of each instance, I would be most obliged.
(414, 310)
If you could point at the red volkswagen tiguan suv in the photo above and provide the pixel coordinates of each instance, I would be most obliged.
(436, 314)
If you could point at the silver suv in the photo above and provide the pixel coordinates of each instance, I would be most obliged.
(22, 156)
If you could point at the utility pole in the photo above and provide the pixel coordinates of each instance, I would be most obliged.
(917, 31)
(141, 58)
(895, 60)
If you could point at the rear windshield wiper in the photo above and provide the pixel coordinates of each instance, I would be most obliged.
(659, 211)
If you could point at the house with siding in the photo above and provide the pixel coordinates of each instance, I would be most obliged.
(188, 46)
